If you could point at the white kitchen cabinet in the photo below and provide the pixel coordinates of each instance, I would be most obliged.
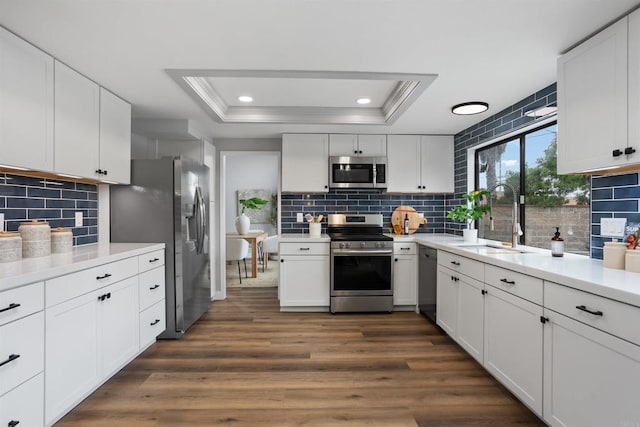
(24, 405)
(598, 125)
(26, 104)
(21, 351)
(447, 301)
(304, 279)
(405, 275)
(590, 377)
(357, 145)
(77, 123)
(513, 345)
(470, 311)
(420, 164)
(305, 163)
(115, 138)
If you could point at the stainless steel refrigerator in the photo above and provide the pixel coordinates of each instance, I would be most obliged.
(168, 201)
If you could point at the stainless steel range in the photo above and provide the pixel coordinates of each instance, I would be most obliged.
(361, 264)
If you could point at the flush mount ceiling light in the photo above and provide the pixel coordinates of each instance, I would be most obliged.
(542, 111)
(468, 108)
(363, 101)
(245, 98)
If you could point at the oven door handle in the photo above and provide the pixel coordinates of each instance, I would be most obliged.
(362, 252)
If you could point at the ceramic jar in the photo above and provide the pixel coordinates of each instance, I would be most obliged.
(61, 240)
(36, 239)
(10, 247)
(614, 253)
(632, 261)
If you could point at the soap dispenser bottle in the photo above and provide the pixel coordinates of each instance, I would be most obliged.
(557, 244)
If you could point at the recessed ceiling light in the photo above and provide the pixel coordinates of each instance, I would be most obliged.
(363, 101)
(245, 98)
(468, 108)
(542, 111)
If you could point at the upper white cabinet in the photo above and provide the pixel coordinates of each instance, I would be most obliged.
(599, 100)
(358, 145)
(77, 123)
(92, 129)
(305, 163)
(115, 138)
(26, 104)
(420, 164)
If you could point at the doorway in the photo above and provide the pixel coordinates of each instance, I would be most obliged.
(245, 174)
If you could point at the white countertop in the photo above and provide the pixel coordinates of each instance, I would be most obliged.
(30, 270)
(303, 237)
(576, 271)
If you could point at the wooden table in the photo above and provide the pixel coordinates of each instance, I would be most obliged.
(253, 237)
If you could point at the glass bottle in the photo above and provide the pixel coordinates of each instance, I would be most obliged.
(557, 244)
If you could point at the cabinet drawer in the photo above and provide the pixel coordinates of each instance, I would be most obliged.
(152, 323)
(21, 351)
(527, 287)
(304, 249)
(151, 260)
(24, 404)
(151, 287)
(611, 316)
(72, 285)
(21, 302)
(404, 248)
(469, 267)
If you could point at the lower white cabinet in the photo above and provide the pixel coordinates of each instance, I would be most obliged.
(470, 322)
(88, 339)
(591, 378)
(304, 274)
(405, 274)
(447, 301)
(513, 345)
(24, 405)
(152, 323)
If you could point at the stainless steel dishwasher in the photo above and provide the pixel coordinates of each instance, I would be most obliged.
(427, 276)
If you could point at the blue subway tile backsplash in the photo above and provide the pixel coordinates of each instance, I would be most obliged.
(27, 198)
(362, 202)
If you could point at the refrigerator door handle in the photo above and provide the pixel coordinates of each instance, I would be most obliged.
(203, 223)
(199, 217)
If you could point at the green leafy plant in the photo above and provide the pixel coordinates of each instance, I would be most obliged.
(252, 203)
(473, 210)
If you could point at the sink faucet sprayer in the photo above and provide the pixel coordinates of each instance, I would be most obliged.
(516, 230)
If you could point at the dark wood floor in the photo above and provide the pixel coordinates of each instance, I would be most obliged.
(246, 364)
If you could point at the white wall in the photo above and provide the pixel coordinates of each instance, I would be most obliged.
(249, 171)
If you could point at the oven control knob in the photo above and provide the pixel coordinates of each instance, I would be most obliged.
(363, 244)
(341, 245)
(380, 244)
(348, 245)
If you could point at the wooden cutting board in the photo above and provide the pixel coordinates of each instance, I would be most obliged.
(397, 218)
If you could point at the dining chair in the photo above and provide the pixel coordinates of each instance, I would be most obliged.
(236, 250)
(269, 246)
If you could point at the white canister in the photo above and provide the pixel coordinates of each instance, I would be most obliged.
(61, 240)
(614, 253)
(10, 247)
(36, 239)
(632, 261)
(314, 229)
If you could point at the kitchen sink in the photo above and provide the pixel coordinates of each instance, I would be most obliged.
(494, 249)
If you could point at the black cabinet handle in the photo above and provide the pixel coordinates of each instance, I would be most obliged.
(454, 278)
(155, 322)
(11, 358)
(109, 295)
(104, 276)
(456, 263)
(154, 260)
(104, 172)
(305, 249)
(154, 287)
(359, 151)
(629, 150)
(281, 260)
(543, 319)
(616, 153)
(405, 249)
(99, 171)
(583, 308)
(326, 186)
(102, 297)
(355, 151)
(483, 292)
(10, 307)
(13, 423)
(508, 282)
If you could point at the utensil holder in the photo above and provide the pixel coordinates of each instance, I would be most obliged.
(314, 229)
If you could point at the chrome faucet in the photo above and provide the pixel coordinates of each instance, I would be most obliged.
(516, 230)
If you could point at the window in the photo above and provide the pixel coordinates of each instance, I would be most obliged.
(527, 163)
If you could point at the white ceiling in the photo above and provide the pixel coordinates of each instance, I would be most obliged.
(498, 51)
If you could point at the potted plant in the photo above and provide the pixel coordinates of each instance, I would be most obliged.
(473, 210)
(242, 221)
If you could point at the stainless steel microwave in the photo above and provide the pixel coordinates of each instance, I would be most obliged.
(357, 172)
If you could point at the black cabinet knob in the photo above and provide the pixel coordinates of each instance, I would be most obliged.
(629, 150)
(616, 153)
